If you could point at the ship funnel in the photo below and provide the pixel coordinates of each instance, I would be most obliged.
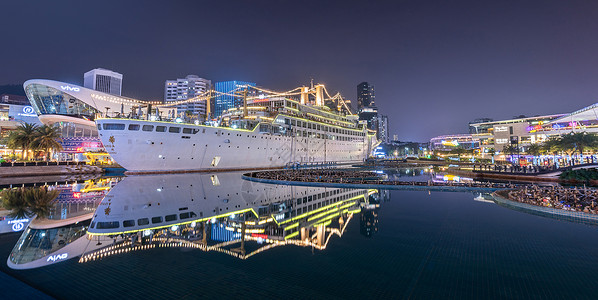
(320, 95)
(304, 95)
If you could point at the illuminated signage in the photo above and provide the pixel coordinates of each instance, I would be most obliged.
(18, 225)
(453, 143)
(502, 141)
(27, 112)
(501, 129)
(56, 257)
(70, 88)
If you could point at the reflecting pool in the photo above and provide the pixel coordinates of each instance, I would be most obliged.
(216, 235)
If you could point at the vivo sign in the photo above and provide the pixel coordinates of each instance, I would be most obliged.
(70, 88)
(56, 257)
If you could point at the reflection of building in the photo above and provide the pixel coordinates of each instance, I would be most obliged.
(62, 235)
(186, 88)
(103, 80)
(223, 102)
(366, 95)
(73, 109)
(368, 222)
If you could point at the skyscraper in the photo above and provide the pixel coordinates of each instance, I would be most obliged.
(187, 88)
(104, 81)
(365, 95)
(382, 133)
(224, 102)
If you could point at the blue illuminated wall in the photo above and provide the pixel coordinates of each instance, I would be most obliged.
(224, 102)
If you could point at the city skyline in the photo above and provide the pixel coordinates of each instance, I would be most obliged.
(437, 64)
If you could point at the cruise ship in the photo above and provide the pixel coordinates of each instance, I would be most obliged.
(270, 130)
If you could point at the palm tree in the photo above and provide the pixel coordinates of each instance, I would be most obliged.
(13, 200)
(27, 202)
(22, 137)
(40, 200)
(579, 141)
(47, 138)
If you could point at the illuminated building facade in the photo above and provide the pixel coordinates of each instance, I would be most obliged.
(104, 81)
(366, 95)
(451, 142)
(498, 135)
(73, 109)
(224, 102)
(186, 88)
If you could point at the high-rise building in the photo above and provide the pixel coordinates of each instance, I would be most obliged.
(382, 133)
(224, 102)
(365, 95)
(187, 88)
(104, 81)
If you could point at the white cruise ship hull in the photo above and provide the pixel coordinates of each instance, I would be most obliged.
(205, 148)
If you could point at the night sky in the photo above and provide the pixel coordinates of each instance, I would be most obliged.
(436, 65)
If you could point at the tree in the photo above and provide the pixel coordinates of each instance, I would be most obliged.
(534, 149)
(22, 137)
(47, 138)
(27, 202)
(579, 142)
(13, 200)
(41, 200)
(459, 151)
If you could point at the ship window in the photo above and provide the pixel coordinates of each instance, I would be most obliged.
(148, 127)
(156, 220)
(133, 126)
(190, 131)
(143, 221)
(170, 218)
(174, 129)
(114, 126)
(99, 127)
(129, 223)
(160, 128)
(107, 225)
(187, 215)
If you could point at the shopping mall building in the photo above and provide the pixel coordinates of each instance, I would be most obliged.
(73, 109)
(521, 132)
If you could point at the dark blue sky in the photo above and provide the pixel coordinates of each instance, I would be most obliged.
(436, 65)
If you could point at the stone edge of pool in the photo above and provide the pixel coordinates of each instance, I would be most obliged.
(572, 216)
(370, 186)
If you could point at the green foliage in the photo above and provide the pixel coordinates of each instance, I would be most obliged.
(47, 138)
(584, 175)
(575, 142)
(22, 137)
(27, 202)
(534, 149)
(31, 137)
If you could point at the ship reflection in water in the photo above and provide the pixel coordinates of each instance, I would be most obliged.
(221, 213)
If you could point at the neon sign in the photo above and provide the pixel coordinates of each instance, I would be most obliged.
(501, 129)
(56, 257)
(18, 225)
(70, 88)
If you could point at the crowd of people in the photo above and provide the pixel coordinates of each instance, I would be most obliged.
(362, 177)
(531, 169)
(573, 199)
